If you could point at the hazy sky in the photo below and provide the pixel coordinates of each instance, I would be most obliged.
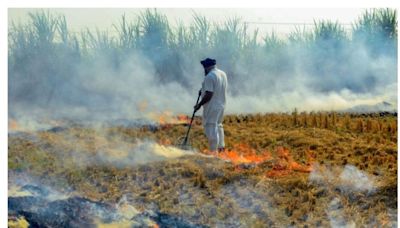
(104, 18)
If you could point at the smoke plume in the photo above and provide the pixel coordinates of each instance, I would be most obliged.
(153, 66)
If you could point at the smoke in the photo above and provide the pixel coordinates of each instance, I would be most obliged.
(29, 187)
(60, 81)
(336, 215)
(34, 203)
(102, 94)
(140, 153)
(354, 179)
(58, 208)
(350, 186)
(99, 148)
(340, 81)
(348, 179)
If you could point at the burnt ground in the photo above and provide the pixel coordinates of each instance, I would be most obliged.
(87, 177)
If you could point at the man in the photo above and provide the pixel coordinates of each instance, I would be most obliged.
(213, 101)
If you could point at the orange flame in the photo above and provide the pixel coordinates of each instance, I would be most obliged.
(286, 164)
(183, 118)
(13, 125)
(165, 142)
(244, 154)
(167, 118)
(283, 164)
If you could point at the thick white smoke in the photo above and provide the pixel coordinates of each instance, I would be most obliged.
(127, 84)
(348, 179)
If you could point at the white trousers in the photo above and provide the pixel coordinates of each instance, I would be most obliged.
(214, 129)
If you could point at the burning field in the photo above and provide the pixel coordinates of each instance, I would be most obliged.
(279, 170)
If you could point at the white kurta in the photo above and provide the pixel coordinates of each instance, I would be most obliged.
(215, 81)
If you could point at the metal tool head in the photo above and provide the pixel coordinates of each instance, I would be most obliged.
(183, 143)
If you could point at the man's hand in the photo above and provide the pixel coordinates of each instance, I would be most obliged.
(196, 107)
(207, 97)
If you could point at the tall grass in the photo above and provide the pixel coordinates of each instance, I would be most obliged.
(377, 28)
(41, 54)
(327, 33)
(377, 23)
(44, 49)
(128, 34)
(200, 32)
